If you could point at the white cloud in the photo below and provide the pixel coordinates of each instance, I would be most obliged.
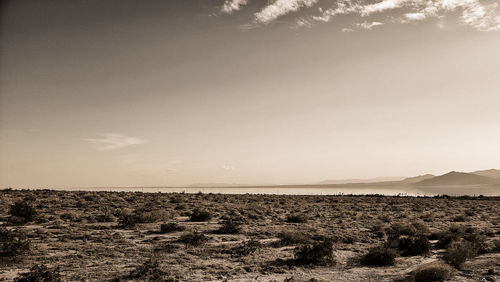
(113, 141)
(343, 7)
(230, 6)
(227, 167)
(415, 16)
(382, 6)
(368, 25)
(482, 15)
(302, 22)
(280, 8)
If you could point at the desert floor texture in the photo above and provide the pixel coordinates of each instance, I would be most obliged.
(133, 236)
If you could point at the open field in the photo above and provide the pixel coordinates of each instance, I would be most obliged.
(102, 236)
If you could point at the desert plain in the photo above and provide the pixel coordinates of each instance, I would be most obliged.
(135, 236)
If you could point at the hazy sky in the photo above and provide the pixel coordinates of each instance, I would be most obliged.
(127, 92)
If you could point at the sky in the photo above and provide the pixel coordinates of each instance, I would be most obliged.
(168, 93)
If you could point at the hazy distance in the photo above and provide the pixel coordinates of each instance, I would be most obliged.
(129, 93)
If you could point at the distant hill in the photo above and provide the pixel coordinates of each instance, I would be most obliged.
(201, 185)
(493, 173)
(416, 179)
(457, 178)
(369, 180)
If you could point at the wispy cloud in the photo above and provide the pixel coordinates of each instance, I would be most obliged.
(482, 15)
(227, 167)
(415, 16)
(230, 6)
(280, 8)
(368, 25)
(113, 141)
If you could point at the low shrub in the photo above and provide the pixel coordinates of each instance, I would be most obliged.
(200, 215)
(246, 248)
(229, 226)
(289, 238)
(296, 218)
(379, 256)
(22, 212)
(40, 273)
(148, 271)
(496, 246)
(409, 239)
(319, 253)
(105, 217)
(170, 227)
(458, 252)
(461, 244)
(400, 229)
(13, 243)
(460, 218)
(130, 218)
(436, 271)
(414, 245)
(193, 239)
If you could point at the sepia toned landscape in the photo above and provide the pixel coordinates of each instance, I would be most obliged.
(250, 140)
(134, 236)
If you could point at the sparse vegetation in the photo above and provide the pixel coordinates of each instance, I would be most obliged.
(379, 256)
(40, 273)
(318, 253)
(170, 227)
(296, 218)
(458, 252)
(129, 218)
(246, 248)
(13, 243)
(436, 271)
(289, 238)
(193, 239)
(103, 239)
(22, 212)
(200, 215)
(230, 226)
(149, 271)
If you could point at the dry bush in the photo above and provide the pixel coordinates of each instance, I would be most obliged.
(193, 239)
(200, 215)
(471, 237)
(245, 248)
(296, 218)
(409, 239)
(289, 238)
(436, 271)
(379, 256)
(458, 252)
(319, 253)
(40, 273)
(130, 218)
(230, 226)
(22, 212)
(496, 246)
(414, 245)
(150, 271)
(13, 243)
(171, 227)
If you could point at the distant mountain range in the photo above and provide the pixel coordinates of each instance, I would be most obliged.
(369, 180)
(480, 177)
(453, 178)
(196, 185)
(458, 178)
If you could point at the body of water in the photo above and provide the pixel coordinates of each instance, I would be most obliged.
(313, 190)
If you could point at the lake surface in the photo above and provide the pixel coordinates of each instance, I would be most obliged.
(314, 190)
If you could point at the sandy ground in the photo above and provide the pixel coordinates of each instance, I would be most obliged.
(86, 236)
